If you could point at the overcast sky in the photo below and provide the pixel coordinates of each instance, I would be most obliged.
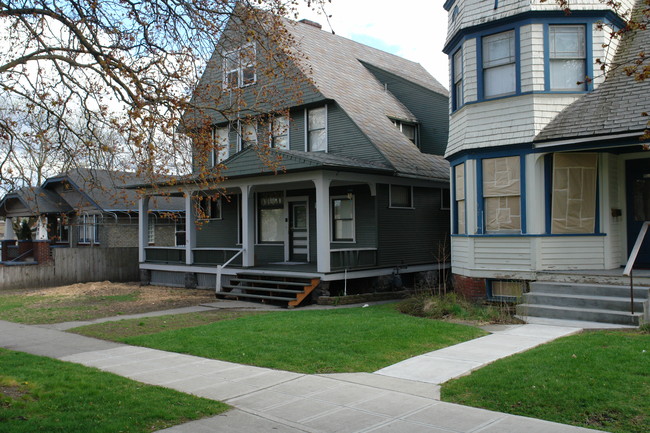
(413, 29)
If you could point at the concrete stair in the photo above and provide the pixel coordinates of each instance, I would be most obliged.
(586, 302)
(277, 289)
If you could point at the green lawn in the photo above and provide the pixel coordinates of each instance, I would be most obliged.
(599, 380)
(312, 341)
(39, 394)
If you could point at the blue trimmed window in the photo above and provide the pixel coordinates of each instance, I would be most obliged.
(567, 58)
(499, 65)
(500, 186)
(457, 74)
(459, 199)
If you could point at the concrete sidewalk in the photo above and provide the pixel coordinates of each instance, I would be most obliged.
(266, 399)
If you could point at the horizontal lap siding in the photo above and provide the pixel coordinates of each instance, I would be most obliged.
(345, 138)
(220, 233)
(573, 252)
(266, 253)
(460, 251)
(508, 253)
(365, 218)
(411, 236)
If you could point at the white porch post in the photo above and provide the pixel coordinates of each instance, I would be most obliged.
(248, 226)
(190, 229)
(9, 229)
(323, 223)
(143, 227)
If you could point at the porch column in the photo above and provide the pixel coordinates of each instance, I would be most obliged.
(190, 229)
(41, 228)
(143, 227)
(323, 223)
(9, 229)
(248, 226)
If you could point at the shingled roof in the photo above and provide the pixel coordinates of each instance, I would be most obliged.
(336, 66)
(35, 201)
(615, 107)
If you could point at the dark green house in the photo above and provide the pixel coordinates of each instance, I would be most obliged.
(328, 171)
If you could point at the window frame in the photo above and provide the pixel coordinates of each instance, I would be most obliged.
(239, 67)
(281, 218)
(308, 140)
(481, 202)
(515, 62)
(241, 126)
(411, 204)
(183, 229)
(457, 201)
(214, 207)
(218, 155)
(90, 228)
(400, 124)
(333, 237)
(151, 229)
(285, 132)
(442, 199)
(586, 54)
(457, 78)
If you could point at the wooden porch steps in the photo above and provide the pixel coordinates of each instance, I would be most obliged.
(278, 288)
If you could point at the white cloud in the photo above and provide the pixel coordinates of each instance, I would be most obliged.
(413, 29)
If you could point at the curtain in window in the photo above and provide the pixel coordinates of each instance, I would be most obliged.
(459, 193)
(501, 192)
(574, 193)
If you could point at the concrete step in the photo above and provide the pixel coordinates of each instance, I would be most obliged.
(641, 278)
(559, 288)
(584, 301)
(586, 314)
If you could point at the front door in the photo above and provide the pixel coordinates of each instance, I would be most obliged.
(298, 231)
(638, 207)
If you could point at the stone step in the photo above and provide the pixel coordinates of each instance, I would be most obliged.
(572, 313)
(584, 301)
(640, 292)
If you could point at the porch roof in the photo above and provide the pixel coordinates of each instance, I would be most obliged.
(33, 201)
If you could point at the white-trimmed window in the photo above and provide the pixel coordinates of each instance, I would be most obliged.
(221, 145)
(180, 233)
(89, 229)
(459, 197)
(458, 79)
(247, 133)
(343, 219)
(270, 221)
(409, 129)
(280, 132)
(567, 60)
(239, 67)
(401, 196)
(502, 194)
(62, 229)
(209, 207)
(317, 129)
(151, 230)
(499, 67)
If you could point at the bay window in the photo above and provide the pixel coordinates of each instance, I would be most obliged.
(502, 194)
(459, 197)
(573, 208)
(567, 57)
(499, 66)
(457, 66)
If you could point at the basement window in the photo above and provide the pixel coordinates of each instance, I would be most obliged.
(505, 290)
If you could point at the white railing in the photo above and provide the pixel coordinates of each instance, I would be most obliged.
(220, 269)
(630, 261)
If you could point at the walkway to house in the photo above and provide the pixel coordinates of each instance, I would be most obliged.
(402, 397)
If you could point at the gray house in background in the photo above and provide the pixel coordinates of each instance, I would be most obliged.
(345, 182)
(86, 208)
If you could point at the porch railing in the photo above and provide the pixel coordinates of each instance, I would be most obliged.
(212, 256)
(351, 258)
(630, 261)
(165, 254)
(220, 269)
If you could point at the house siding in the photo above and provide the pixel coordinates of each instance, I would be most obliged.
(410, 236)
(220, 233)
(345, 138)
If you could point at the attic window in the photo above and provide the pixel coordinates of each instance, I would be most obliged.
(239, 67)
(409, 129)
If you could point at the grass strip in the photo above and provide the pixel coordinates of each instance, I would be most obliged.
(42, 394)
(598, 380)
(310, 341)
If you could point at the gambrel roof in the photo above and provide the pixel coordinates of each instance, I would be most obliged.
(615, 107)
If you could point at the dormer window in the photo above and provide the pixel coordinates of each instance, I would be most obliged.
(409, 129)
(280, 132)
(567, 57)
(221, 145)
(247, 134)
(239, 67)
(499, 67)
(317, 129)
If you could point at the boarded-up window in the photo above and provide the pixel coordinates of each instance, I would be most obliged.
(459, 195)
(574, 193)
(501, 194)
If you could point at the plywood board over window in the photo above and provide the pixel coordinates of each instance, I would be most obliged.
(501, 193)
(459, 192)
(574, 193)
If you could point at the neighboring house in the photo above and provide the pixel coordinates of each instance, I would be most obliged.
(87, 208)
(345, 182)
(549, 173)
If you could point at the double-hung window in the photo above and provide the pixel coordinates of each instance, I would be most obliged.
(280, 132)
(343, 219)
(458, 80)
(567, 57)
(209, 207)
(180, 233)
(502, 194)
(151, 230)
(239, 67)
(247, 134)
(270, 222)
(61, 228)
(409, 129)
(459, 197)
(221, 145)
(499, 65)
(317, 129)
(89, 229)
(401, 196)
